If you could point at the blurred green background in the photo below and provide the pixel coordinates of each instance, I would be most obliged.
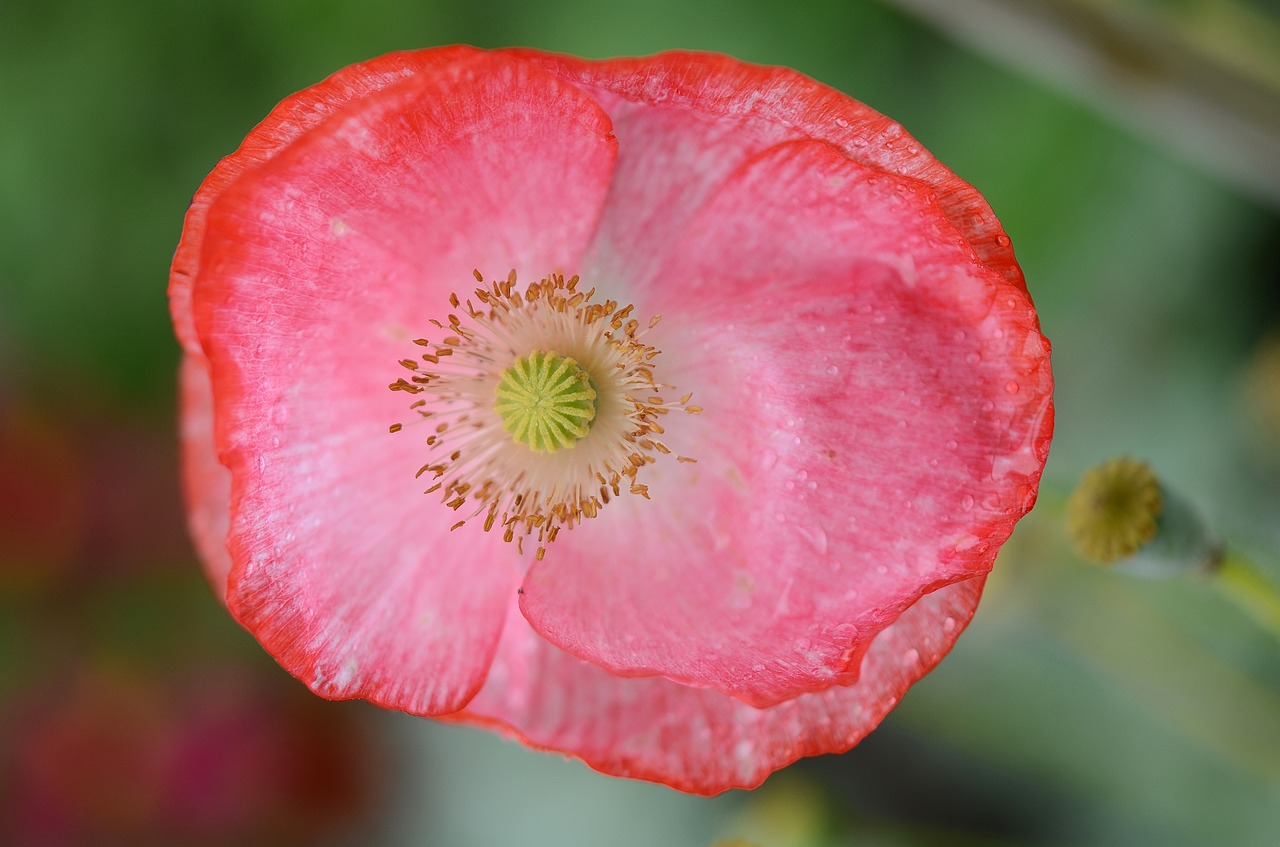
(1082, 707)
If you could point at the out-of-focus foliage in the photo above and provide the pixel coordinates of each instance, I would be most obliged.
(1081, 707)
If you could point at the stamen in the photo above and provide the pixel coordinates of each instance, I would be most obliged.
(543, 406)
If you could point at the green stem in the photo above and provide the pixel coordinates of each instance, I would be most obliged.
(1240, 579)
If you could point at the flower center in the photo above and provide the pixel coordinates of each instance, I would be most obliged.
(546, 401)
(515, 383)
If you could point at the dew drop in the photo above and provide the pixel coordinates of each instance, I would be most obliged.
(1002, 240)
(949, 625)
(833, 371)
(758, 667)
(1011, 386)
(972, 358)
(989, 406)
(933, 463)
(911, 657)
(844, 634)
(280, 415)
(951, 444)
(842, 123)
(966, 502)
(275, 441)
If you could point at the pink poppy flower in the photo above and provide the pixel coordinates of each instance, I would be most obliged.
(846, 314)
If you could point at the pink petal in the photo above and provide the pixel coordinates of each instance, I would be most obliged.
(317, 267)
(686, 119)
(206, 483)
(287, 121)
(697, 740)
(875, 404)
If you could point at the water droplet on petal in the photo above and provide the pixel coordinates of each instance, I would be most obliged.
(966, 502)
(911, 657)
(842, 123)
(949, 625)
(1011, 386)
(833, 371)
(1002, 240)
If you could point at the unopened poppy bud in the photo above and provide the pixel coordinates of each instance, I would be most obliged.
(1120, 512)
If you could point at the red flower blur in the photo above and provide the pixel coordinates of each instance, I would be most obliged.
(107, 755)
(846, 313)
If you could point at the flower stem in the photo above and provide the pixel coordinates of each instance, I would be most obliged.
(1250, 587)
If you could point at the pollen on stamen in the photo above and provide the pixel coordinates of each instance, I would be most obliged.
(545, 406)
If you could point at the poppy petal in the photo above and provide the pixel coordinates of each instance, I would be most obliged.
(207, 483)
(316, 269)
(698, 740)
(874, 401)
(287, 121)
(716, 111)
